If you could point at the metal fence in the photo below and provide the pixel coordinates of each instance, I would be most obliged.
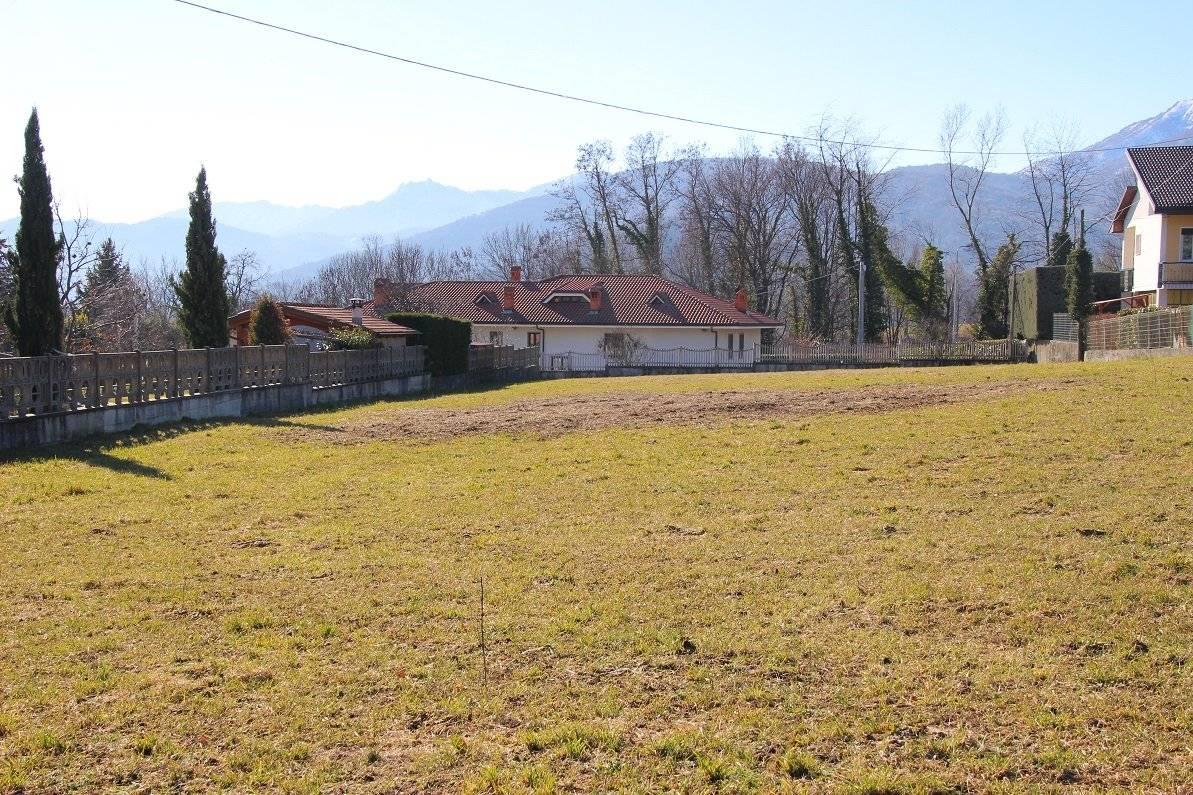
(1150, 328)
(1064, 327)
(793, 353)
(501, 357)
(48, 384)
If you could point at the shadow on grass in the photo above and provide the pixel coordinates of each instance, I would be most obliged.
(94, 451)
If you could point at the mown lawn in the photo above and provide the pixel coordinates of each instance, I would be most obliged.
(988, 594)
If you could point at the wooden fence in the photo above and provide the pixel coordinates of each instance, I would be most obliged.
(49, 384)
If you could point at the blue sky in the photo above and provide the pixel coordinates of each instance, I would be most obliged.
(138, 93)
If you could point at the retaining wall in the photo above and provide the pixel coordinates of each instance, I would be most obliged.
(1122, 354)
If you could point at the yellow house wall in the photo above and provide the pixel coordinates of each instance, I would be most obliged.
(1172, 235)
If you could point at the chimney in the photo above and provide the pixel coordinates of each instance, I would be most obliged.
(740, 300)
(358, 312)
(507, 298)
(380, 292)
(594, 298)
(516, 273)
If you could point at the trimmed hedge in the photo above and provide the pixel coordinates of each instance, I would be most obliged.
(447, 340)
(1040, 293)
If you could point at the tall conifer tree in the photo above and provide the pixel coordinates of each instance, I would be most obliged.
(202, 287)
(1079, 290)
(34, 312)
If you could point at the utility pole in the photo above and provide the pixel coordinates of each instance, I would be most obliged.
(861, 303)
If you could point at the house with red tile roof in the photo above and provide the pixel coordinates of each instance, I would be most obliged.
(587, 313)
(1155, 218)
(311, 323)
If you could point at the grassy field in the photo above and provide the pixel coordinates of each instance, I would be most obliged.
(962, 579)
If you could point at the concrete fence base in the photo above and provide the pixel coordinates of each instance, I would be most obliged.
(1122, 354)
(279, 399)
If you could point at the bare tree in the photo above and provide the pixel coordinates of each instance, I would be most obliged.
(700, 257)
(78, 256)
(968, 171)
(6, 290)
(536, 251)
(1061, 180)
(403, 265)
(807, 186)
(751, 212)
(244, 278)
(649, 187)
(590, 204)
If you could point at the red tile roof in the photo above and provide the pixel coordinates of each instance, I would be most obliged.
(331, 317)
(626, 300)
(1167, 173)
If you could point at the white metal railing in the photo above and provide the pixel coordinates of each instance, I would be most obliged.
(794, 353)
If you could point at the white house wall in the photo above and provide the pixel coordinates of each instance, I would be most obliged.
(587, 339)
(1148, 226)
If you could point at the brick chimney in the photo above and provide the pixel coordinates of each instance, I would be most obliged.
(516, 273)
(594, 298)
(380, 292)
(740, 301)
(507, 298)
(358, 312)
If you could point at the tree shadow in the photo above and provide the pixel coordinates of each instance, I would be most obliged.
(91, 455)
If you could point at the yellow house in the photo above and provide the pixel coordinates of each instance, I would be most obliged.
(1155, 218)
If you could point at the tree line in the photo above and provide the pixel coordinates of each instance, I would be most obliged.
(804, 227)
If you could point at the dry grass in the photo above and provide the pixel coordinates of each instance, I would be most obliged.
(988, 592)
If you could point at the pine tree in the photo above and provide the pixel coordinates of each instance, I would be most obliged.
(993, 292)
(1079, 291)
(201, 288)
(1058, 252)
(108, 270)
(267, 325)
(34, 313)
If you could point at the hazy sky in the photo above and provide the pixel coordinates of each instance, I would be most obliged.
(135, 94)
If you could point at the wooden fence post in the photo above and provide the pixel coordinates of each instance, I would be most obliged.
(175, 391)
(207, 372)
(261, 377)
(140, 388)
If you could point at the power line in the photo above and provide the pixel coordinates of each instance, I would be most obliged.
(628, 108)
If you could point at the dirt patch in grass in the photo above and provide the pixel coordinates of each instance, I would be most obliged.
(558, 416)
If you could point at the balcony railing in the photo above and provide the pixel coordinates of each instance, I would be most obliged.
(1176, 273)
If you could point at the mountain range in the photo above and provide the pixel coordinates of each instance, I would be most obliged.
(293, 241)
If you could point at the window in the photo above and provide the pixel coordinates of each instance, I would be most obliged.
(1187, 244)
(1138, 244)
(495, 338)
(533, 339)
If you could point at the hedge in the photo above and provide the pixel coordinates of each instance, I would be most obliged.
(446, 339)
(1040, 293)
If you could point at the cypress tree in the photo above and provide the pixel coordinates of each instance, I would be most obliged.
(267, 324)
(34, 313)
(932, 281)
(993, 291)
(201, 288)
(1058, 252)
(1079, 291)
